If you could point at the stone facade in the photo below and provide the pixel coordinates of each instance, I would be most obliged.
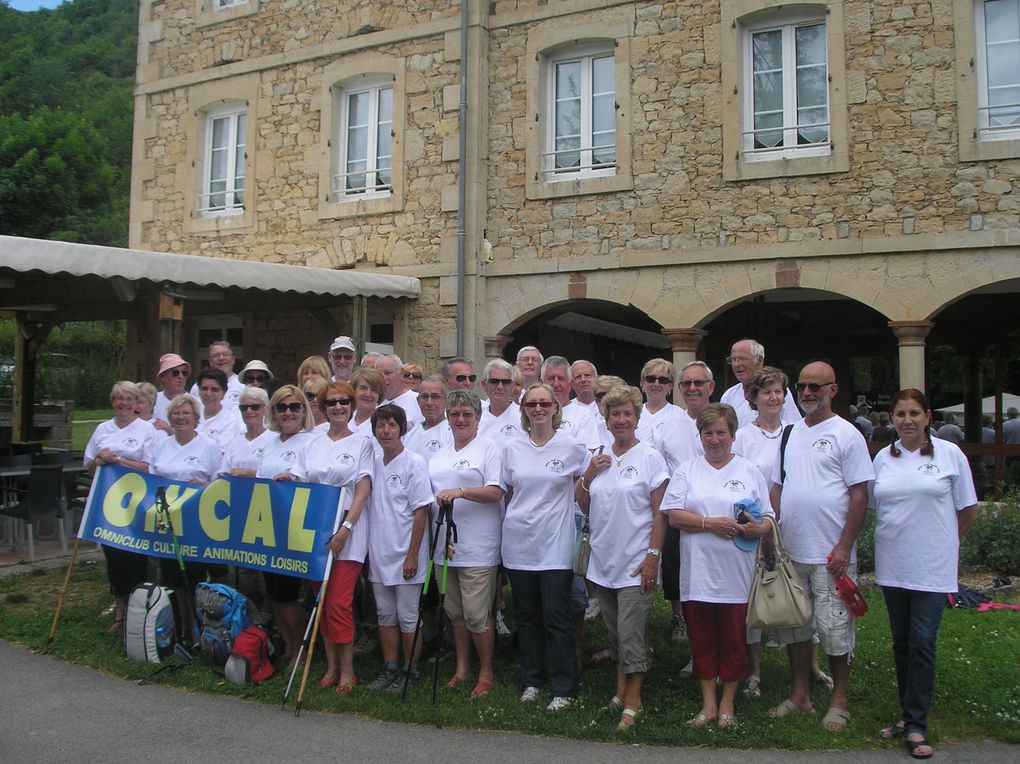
(906, 214)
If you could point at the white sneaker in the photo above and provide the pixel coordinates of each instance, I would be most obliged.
(559, 703)
(593, 611)
(501, 628)
(530, 695)
(687, 671)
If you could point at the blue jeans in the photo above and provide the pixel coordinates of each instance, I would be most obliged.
(914, 619)
(545, 629)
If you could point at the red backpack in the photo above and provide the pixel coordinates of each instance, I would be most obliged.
(249, 660)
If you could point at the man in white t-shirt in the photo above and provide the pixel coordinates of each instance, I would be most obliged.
(390, 367)
(501, 417)
(459, 374)
(342, 357)
(221, 356)
(582, 380)
(821, 489)
(746, 357)
(578, 421)
(432, 432)
(529, 361)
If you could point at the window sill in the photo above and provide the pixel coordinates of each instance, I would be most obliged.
(563, 187)
(787, 166)
(349, 207)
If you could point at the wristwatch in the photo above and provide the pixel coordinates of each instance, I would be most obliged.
(654, 552)
(348, 525)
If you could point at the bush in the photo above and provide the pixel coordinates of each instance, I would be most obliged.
(866, 545)
(994, 539)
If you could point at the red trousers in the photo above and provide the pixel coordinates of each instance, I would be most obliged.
(337, 622)
(718, 639)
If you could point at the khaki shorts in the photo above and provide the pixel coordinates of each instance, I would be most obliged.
(626, 612)
(830, 619)
(469, 596)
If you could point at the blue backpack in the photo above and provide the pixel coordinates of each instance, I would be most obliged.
(222, 613)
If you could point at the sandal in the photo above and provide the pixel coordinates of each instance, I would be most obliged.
(345, 689)
(787, 708)
(454, 681)
(836, 719)
(727, 720)
(628, 719)
(482, 688)
(615, 703)
(894, 732)
(116, 626)
(700, 720)
(919, 749)
(329, 681)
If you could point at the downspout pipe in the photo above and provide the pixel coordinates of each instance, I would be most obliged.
(462, 179)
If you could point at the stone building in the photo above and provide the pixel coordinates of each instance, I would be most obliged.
(836, 178)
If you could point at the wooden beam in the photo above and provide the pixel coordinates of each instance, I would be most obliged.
(29, 336)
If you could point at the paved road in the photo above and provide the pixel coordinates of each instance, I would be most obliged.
(60, 713)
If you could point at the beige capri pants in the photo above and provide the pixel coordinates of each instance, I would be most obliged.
(469, 596)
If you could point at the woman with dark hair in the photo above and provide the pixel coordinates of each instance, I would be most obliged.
(537, 548)
(219, 423)
(715, 571)
(341, 458)
(925, 501)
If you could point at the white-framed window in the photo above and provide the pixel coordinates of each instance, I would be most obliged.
(365, 166)
(581, 109)
(786, 87)
(226, 132)
(997, 62)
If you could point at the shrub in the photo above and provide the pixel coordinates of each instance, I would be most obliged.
(994, 539)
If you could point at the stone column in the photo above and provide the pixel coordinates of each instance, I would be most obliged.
(684, 343)
(911, 336)
(495, 345)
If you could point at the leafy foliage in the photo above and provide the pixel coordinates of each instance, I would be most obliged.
(994, 539)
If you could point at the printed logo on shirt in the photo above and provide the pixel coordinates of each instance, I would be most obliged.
(508, 429)
(629, 473)
(565, 424)
(191, 460)
(929, 469)
(734, 486)
(554, 465)
(463, 464)
(824, 445)
(130, 443)
(394, 481)
(345, 459)
(433, 445)
(289, 456)
(258, 452)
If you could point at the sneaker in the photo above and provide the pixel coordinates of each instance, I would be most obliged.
(365, 643)
(386, 677)
(593, 611)
(752, 689)
(687, 671)
(823, 679)
(559, 703)
(677, 630)
(409, 677)
(502, 630)
(530, 695)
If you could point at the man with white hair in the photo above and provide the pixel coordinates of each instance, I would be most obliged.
(432, 432)
(221, 356)
(582, 380)
(577, 421)
(746, 357)
(501, 417)
(1011, 427)
(342, 357)
(389, 366)
(459, 374)
(529, 361)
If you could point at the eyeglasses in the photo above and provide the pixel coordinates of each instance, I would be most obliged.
(293, 407)
(223, 354)
(431, 396)
(331, 402)
(538, 404)
(651, 379)
(177, 373)
(256, 379)
(698, 383)
(732, 360)
(242, 407)
(498, 382)
(411, 375)
(813, 386)
(466, 377)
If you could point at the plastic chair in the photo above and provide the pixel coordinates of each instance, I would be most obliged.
(44, 498)
(52, 457)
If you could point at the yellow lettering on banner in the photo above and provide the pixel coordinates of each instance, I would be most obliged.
(217, 528)
(176, 495)
(299, 538)
(259, 523)
(122, 499)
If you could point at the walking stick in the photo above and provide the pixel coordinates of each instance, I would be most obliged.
(440, 518)
(163, 517)
(451, 532)
(63, 590)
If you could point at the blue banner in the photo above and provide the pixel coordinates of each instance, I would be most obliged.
(282, 527)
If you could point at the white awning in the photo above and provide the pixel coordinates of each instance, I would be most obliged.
(58, 257)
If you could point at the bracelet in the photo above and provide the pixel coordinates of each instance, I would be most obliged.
(583, 486)
(702, 522)
(462, 493)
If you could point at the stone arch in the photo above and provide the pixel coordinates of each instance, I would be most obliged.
(986, 269)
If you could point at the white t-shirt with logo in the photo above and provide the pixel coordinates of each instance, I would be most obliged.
(506, 425)
(822, 462)
(230, 398)
(760, 447)
(476, 465)
(408, 401)
(223, 428)
(745, 414)
(428, 443)
(135, 441)
(341, 463)
(678, 442)
(650, 426)
(198, 461)
(398, 489)
(279, 456)
(538, 528)
(244, 454)
(916, 499)
(620, 515)
(579, 424)
(714, 569)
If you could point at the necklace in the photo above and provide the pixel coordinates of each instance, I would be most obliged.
(770, 436)
(619, 459)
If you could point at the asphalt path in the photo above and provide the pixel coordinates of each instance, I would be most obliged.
(57, 712)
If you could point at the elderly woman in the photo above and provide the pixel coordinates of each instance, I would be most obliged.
(413, 374)
(468, 472)
(314, 366)
(290, 419)
(369, 391)
(657, 379)
(397, 558)
(925, 501)
(256, 374)
(147, 396)
(311, 388)
(126, 440)
(219, 423)
(715, 574)
(537, 548)
(621, 492)
(341, 458)
(173, 377)
(244, 453)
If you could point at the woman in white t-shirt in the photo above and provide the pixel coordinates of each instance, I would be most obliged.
(219, 423)
(147, 396)
(341, 458)
(244, 453)
(539, 471)
(290, 419)
(369, 391)
(925, 501)
(128, 441)
(657, 379)
(468, 472)
(621, 492)
(715, 573)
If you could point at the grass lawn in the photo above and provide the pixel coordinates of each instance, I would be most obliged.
(977, 697)
(84, 424)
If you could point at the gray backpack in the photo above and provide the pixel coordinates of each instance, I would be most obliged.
(151, 624)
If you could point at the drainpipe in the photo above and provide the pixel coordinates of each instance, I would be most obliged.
(462, 178)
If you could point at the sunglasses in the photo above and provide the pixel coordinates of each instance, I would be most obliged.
(331, 402)
(242, 407)
(651, 378)
(294, 407)
(498, 382)
(813, 386)
(466, 377)
(411, 375)
(256, 378)
(698, 383)
(538, 404)
(177, 373)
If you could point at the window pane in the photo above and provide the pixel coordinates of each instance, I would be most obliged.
(357, 109)
(767, 84)
(767, 51)
(810, 44)
(386, 105)
(568, 158)
(1002, 21)
(603, 75)
(568, 80)
(1003, 64)
(568, 119)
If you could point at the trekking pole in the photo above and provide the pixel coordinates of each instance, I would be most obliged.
(451, 533)
(63, 590)
(301, 650)
(163, 515)
(440, 518)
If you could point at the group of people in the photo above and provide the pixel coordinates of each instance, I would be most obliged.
(661, 493)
